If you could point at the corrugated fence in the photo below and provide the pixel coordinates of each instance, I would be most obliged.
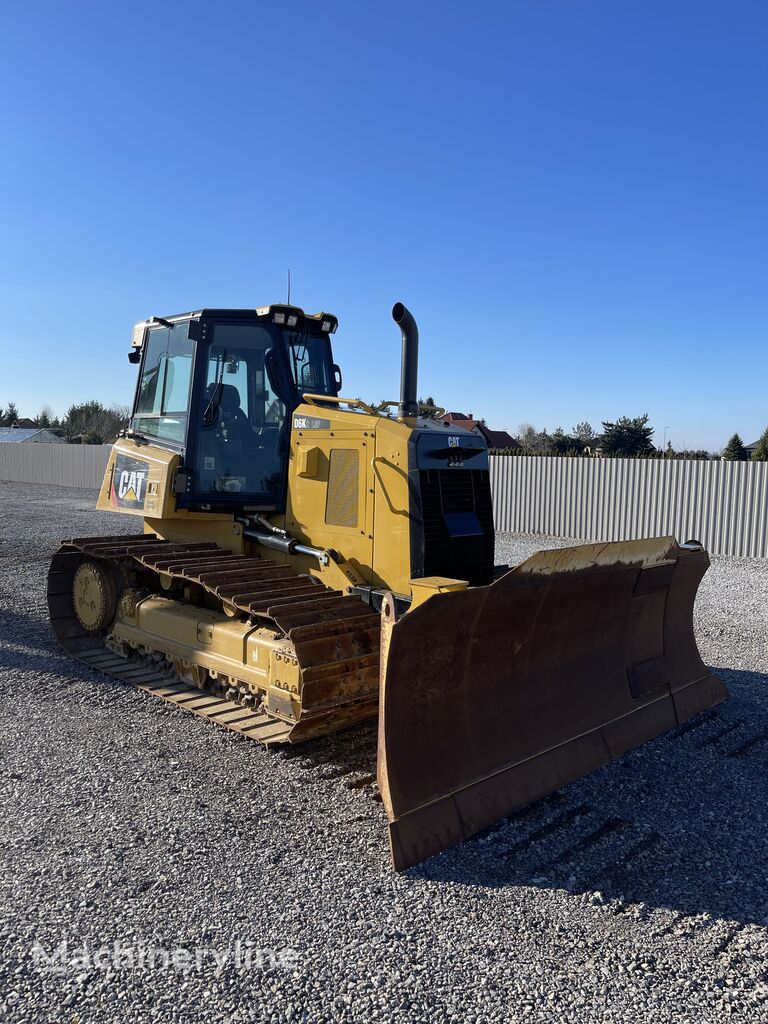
(64, 465)
(722, 504)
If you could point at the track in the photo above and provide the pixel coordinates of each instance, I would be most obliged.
(334, 638)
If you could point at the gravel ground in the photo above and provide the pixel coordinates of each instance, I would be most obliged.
(637, 894)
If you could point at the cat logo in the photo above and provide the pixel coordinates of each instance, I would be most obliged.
(453, 442)
(130, 486)
(129, 482)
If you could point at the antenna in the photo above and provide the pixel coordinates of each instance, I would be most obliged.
(289, 287)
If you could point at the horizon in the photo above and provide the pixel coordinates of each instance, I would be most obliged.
(571, 201)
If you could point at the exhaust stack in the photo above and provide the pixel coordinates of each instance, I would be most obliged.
(409, 405)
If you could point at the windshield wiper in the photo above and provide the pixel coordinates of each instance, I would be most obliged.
(209, 414)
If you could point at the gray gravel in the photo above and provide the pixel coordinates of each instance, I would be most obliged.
(125, 821)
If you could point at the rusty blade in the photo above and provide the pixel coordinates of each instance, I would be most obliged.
(494, 696)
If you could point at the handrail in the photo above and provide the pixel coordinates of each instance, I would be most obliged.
(375, 465)
(314, 399)
(439, 410)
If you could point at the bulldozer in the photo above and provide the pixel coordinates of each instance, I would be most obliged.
(305, 562)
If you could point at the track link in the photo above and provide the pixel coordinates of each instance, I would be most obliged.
(335, 637)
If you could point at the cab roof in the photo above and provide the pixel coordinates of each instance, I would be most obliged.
(279, 313)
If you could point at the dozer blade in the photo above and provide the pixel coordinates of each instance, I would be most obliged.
(493, 697)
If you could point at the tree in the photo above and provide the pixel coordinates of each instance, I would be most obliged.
(584, 433)
(735, 451)
(627, 437)
(45, 417)
(760, 454)
(428, 410)
(699, 454)
(9, 415)
(93, 424)
(560, 442)
(78, 418)
(533, 440)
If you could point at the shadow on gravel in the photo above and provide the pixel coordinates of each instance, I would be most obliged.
(30, 629)
(339, 755)
(680, 824)
(35, 648)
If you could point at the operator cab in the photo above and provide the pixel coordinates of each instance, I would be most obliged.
(219, 386)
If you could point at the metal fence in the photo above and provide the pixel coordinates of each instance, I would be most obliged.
(722, 504)
(64, 465)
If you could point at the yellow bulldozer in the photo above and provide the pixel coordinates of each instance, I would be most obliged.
(307, 562)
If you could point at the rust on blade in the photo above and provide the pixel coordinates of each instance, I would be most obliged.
(495, 696)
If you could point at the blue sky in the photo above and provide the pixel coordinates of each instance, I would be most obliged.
(570, 195)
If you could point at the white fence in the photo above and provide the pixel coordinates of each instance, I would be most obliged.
(64, 465)
(722, 504)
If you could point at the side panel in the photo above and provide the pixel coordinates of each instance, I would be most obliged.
(329, 480)
(394, 518)
(139, 480)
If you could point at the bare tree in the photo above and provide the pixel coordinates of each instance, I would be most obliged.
(526, 434)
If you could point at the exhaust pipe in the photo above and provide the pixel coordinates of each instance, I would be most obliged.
(409, 405)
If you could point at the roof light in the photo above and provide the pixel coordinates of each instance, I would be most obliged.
(292, 320)
(279, 318)
(140, 329)
(326, 325)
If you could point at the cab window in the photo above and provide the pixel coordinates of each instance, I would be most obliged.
(310, 362)
(162, 397)
(242, 418)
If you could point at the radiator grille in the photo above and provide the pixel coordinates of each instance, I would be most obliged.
(343, 485)
(457, 491)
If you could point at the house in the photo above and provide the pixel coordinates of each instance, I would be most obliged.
(493, 438)
(29, 435)
(460, 419)
(26, 422)
(498, 438)
(750, 448)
